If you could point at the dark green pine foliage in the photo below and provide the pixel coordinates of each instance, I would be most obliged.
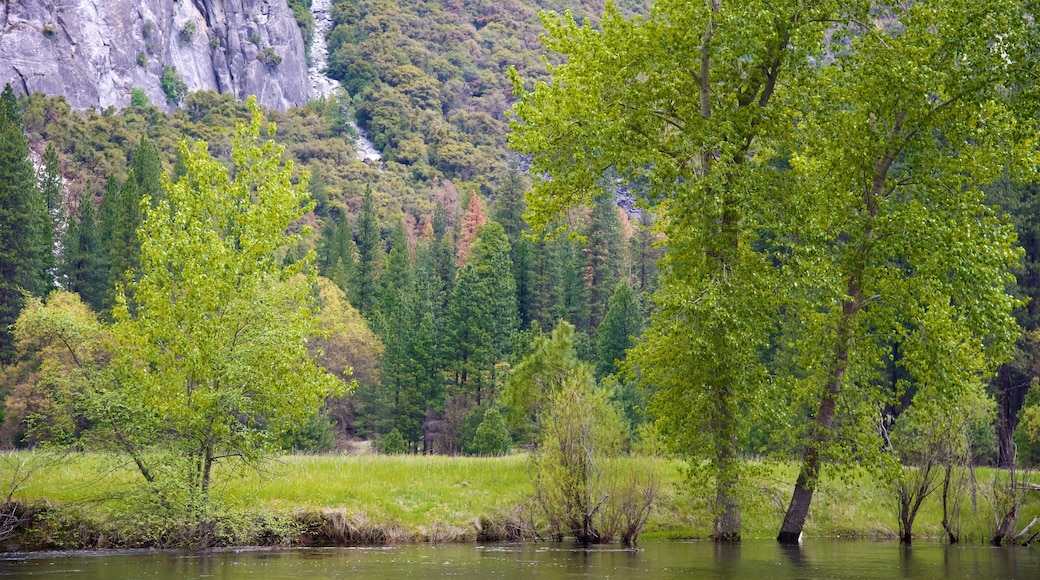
(426, 364)
(336, 251)
(508, 210)
(19, 245)
(147, 171)
(51, 184)
(401, 400)
(546, 289)
(482, 314)
(1020, 204)
(443, 267)
(83, 267)
(364, 286)
(621, 326)
(25, 228)
(604, 247)
(124, 250)
(644, 255)
(575, 294)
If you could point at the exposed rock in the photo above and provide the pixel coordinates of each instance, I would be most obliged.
(95, 51)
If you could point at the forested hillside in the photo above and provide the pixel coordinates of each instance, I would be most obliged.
(583, 222)
(446, 293)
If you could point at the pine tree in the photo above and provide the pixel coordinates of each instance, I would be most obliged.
(482, 314)
(603, 250)
(620, 327)
(83, 268)
(546, 281)
(125, 248)
(147, 170)
(508, 210)
(25, 227)
(364, 286)
(51, 182)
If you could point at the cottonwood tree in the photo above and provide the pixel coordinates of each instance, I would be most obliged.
(212, 364)
(689, 101)
(917, 108)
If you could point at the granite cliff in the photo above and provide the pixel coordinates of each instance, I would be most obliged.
(95, 51)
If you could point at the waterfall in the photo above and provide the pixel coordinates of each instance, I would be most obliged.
(323, 86)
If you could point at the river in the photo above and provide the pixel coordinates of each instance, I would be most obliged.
(758, 560)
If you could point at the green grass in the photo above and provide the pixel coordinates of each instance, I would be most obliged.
(417, 494)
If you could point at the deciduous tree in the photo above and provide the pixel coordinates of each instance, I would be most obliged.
(213, 363)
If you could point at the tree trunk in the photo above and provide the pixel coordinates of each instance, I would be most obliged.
(809, 475)
(946, 524)
(727, 506)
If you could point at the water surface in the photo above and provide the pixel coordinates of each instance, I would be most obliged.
(758, 560)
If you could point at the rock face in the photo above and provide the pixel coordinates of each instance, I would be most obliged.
(95, 51)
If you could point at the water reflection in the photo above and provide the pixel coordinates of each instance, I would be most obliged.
(759, 560)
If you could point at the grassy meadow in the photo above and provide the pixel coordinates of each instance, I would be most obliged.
(437, 498)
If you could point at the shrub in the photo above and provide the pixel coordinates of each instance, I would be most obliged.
(313, 436)
(492, 437)
(187, 33)
(269, 57)
(142, 59)
(393, 443)
(138, 98)
(173, 85)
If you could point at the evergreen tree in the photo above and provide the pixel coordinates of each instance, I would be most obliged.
(620, 327)
(547, 304)
(124, 248)
(364, 286)
(51, 183)
(83, 268)
(25, 227)
(336, 251)
(482, 314)
(147, 171)
(508, 210)
(603, 253)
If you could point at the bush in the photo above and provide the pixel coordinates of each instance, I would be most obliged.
(269, 57)
(314, 436)
(393, 443)
(584, 491)
(187, 33)
(173, 86)
(138, 98)
(492, 436)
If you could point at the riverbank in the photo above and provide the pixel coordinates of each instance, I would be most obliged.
(94, 501)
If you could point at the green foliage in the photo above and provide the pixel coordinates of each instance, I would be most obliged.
(138, 98)
(25, 225)
(580, 491)
(269, 57)
(187, 32)
(534, 380)
(59, 344)
(212, 363)
(831, 197)
(314, 435)
(393, 443)
(482, 314)
(619, 330)
(301, 10)
(492, 436)
(83, 267)
(172, 85)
